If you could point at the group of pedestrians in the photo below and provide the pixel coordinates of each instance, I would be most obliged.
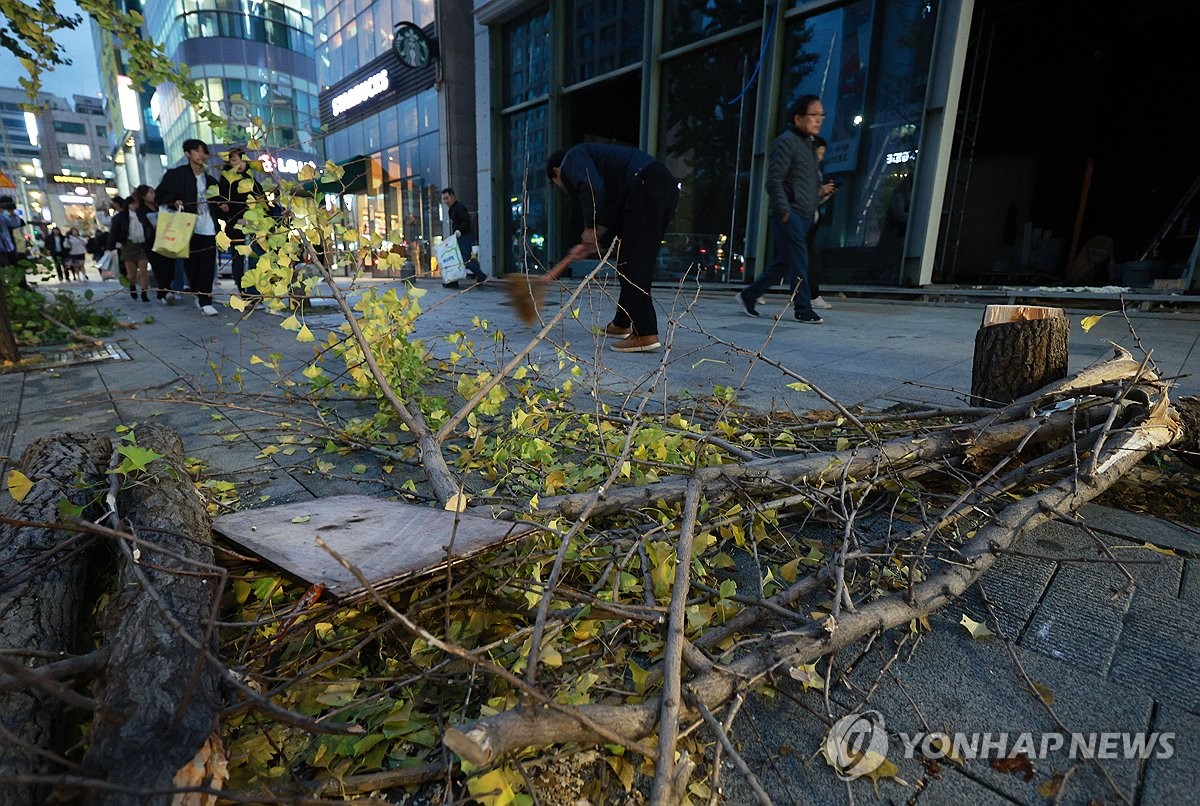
(134, 228)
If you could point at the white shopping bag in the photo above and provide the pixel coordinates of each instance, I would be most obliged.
(107, 262)
(450, 260)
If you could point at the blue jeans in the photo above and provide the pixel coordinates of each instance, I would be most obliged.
(790, 260)
(472, 266)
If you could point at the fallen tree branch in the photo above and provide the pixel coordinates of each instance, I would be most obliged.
(490, 738)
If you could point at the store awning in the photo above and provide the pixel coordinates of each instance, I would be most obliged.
(354, 178)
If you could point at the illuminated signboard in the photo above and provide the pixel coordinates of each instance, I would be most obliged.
(361, 92)
(68, 179)
(283, 165)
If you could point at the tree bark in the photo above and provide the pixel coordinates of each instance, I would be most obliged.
(1018, 350)
(8, 342)
(41, 574)
(159, 700)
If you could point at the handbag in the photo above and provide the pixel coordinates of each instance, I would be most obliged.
(106, 261)
(450, 260)
(173, 234)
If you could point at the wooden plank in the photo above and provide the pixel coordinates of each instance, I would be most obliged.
(388, 541)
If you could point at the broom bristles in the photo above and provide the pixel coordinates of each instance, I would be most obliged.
(527, 294)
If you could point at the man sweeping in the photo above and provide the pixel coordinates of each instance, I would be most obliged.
(624, 194)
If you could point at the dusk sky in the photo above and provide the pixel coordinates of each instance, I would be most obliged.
(78, 78)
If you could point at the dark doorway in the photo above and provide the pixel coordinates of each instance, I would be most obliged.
(609, 111)
(1077, 125)
(606, 112)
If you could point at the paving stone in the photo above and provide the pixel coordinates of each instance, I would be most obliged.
(1159, 650)
(1175, 779)
(952, 786)
(1190, 589)
(962, 684)
(1142, 528)
(1077, 621)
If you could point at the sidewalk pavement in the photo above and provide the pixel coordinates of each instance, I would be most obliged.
(1113, 662)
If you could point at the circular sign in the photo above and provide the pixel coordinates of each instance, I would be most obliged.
(411, 45)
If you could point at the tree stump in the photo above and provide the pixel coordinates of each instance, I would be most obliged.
(41, 574)
(159, 700)
(1018, 350)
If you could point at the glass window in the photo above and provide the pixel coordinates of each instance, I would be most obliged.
(423, 12)
(407, 111)
(526, 190)
(427, 111)
(527, 45)
(706, 142)
(687, 21)
(603, 35)
(871, 75)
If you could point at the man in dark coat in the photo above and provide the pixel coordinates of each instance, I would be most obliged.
(628, 194)
(460, 222)
(185, 188)
(794, 191)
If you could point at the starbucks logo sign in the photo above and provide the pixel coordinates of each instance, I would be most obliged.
(411, 45)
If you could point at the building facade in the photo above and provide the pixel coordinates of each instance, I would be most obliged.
(706, 88)
(398, 107)
(254, 62)
(55, 158)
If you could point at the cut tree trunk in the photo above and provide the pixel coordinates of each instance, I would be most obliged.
(1018, 349)
(158, 704)
(41, 573)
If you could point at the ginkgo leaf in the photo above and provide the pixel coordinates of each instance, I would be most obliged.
(1089, 322)
(19, 485)
(223, 241)
(291, 323)
(302, 519)
(807, 675)
(977, 630)
(457, 503)
(237, 303)
(800, 386)
(305, 334)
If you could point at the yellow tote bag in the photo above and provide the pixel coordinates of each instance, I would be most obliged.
(173, 233)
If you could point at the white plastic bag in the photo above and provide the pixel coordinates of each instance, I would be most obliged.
(107, 261)
(450, 260)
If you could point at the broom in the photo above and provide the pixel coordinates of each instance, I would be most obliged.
(528, 292)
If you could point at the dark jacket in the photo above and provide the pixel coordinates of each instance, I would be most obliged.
(179, 184)
(460, 219)
(119, 233)
(229, 192)
(599, 178)
(793, 175)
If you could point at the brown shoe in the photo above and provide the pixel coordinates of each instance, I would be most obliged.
(637, 344)
(613, 332)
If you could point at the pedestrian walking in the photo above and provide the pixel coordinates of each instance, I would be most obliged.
(793, 191)
(76, 254)
(460, 223)
(185, 188)
(236, 186)
(133, 234)
(56, 244)
(624, 194)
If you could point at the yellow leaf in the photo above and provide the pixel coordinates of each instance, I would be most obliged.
(237, 303)
(307, 172)
(977, 630)
(1089, 322)
(808, 676)
(842, 444)
(457, 503)
(19, 485)
(1043, 693)
(223, 241)
(305, 334)
(312, 372)
(788, 571)
(302, 519)
(291, 323)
